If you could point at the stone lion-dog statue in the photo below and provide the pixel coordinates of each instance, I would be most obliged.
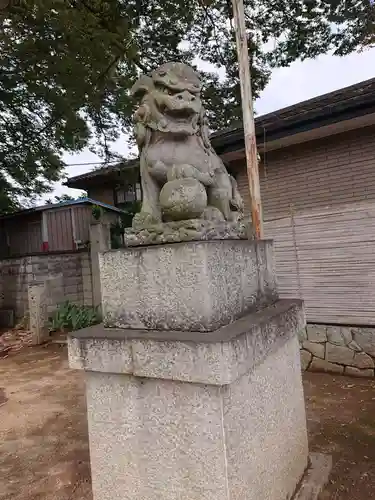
(182, 176)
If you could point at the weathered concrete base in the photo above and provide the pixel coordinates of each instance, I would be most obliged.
(196, 416)
(315, 477)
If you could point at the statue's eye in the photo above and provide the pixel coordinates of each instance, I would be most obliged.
(167, 91)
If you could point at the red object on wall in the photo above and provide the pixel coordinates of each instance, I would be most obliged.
(45, 246)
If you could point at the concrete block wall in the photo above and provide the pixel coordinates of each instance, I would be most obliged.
(73, 268)
(87, 290)
(338, 349)
(15, 275)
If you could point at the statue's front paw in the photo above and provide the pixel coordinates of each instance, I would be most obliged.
(182, 171)
(206, 178)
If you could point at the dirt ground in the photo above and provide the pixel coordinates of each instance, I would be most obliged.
(341, 422)
(43, 431)
(43, 434)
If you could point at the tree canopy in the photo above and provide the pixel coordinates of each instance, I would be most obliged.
(66, 67)
(66, 197)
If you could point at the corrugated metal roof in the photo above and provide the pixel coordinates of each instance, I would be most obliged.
(51, 206)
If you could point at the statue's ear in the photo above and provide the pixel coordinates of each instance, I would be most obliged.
(142, 86)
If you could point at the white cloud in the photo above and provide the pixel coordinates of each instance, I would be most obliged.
(298, 82)
(314, 77)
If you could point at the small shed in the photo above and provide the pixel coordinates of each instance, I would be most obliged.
(51, 228)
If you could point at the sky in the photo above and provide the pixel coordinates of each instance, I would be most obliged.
(298, 82)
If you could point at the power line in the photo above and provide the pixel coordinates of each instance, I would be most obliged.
(92, 163)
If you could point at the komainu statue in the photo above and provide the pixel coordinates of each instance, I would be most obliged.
(182, 177)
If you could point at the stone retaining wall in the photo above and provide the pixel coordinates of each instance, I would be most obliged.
(334, 349)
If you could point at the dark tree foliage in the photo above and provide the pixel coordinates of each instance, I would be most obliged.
(65, 197)
(66, 67)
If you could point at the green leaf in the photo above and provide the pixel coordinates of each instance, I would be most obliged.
(69, 317)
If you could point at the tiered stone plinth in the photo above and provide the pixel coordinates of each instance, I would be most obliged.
(195, 286)
(194, 385)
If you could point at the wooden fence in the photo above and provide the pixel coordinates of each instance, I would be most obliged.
(327, 258)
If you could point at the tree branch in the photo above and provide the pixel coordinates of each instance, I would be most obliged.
(212, 21)
(123, 49)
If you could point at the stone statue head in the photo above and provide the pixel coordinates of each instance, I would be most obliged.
(170, 99)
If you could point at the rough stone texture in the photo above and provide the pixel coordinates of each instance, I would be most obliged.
(43, 297)
(17, 273)
(315, 478)
(180, 172)
(152, 438)
(314, 348)
(346, 333)
(362, 360)
(101, 355)
(100, 237)
(306, 358)
(337, 336)
(354, 346)
(195, 286)
(265, 428)
(339, 354)
(365, 338)
(187, 230)
(321, 365)
(317, 333)
(38, 299)
(302, 335)
(217, 358)
(334, 335)
(355, 372)
(182, 199)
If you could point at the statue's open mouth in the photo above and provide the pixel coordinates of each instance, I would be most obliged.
(178, 106)
(180, 123)
(180, 110)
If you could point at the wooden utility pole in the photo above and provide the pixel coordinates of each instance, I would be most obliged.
(248, 118)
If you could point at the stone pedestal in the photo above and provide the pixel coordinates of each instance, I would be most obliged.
(214, 416)
(198, 413)
(195, 286)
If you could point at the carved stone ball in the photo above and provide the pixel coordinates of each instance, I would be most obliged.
(183, 199)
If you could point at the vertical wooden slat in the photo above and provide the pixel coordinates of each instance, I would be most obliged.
(60, 229)
(83, 216)
(73, 222)
(335, 274)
